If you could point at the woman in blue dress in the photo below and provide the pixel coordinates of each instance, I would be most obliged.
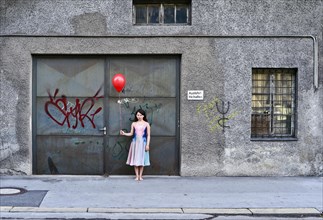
(138, 155)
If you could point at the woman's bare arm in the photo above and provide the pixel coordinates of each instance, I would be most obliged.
(129, 133)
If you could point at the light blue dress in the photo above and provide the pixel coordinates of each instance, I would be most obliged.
(137, 155)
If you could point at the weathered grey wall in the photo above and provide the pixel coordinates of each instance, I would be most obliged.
(217, 63)
(209, 17)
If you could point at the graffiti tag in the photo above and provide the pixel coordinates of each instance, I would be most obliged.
(216, 114)
(78, 112)
(120, 149)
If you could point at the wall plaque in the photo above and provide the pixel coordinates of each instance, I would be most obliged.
(195, 95)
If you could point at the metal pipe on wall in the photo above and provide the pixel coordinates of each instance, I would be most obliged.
(314, 38)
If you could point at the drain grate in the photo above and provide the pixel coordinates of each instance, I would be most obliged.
(15, 196)
(10, 191)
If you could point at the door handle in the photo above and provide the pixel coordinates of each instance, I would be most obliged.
(104, 130)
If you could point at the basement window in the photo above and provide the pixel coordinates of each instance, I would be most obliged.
(155, 12)
(273, 104)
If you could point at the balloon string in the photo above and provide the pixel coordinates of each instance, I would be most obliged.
(120, 119)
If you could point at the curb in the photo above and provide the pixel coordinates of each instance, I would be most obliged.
(310, 212)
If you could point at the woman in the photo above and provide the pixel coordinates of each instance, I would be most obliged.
(138, 155)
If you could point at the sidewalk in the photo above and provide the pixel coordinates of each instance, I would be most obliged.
(158, 196)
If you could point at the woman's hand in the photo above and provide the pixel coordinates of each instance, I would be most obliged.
(121, 132)
(147, 148)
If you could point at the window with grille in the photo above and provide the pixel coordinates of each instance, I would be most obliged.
(273, 103)
(161, 12)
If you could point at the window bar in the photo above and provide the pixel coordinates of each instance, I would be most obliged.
(187, 15)
(134, 20)
(161, 14)
(175, 16)
(147, 14)
(271, 96)
(293, 91)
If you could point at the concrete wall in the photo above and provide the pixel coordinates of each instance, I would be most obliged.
(215, 58)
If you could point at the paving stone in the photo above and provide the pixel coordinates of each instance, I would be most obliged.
(284, 211)
(218, 211)
(5, 208)
(136, 210)
(47, 209)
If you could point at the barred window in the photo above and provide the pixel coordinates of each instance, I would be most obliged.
(161, 12)
(273, 103)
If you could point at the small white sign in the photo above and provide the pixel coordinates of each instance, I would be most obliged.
(195, 95)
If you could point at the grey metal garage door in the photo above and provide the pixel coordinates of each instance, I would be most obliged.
(77, 113)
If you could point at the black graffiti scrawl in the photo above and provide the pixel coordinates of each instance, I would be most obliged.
(217, 114)
(223, 112)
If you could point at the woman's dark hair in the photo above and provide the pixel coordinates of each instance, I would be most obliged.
(141, 112)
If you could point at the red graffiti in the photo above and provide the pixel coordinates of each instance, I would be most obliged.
(77, 112)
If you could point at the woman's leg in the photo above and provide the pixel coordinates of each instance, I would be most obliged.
(141, 170)
(137, 172)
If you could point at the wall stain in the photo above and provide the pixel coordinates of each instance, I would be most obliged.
(89, 24)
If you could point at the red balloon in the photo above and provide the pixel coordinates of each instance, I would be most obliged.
(119, 81)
